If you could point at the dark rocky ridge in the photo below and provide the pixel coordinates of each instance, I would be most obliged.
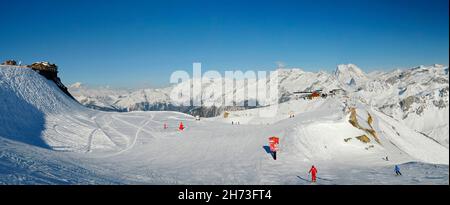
(50, 72)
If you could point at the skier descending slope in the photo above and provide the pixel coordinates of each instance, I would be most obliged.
(397, 170)
(313, 172)
(273, 143)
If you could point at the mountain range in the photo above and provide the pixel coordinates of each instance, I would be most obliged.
(417, 97)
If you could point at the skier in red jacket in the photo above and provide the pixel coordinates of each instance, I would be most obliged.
(313, 172)
(273, 144)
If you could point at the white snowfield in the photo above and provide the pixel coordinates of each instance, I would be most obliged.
(418, 97)
(47, 138)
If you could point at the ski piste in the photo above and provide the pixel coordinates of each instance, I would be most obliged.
(318, 182)
(44, 129)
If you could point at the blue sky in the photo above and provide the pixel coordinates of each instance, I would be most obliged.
(140, 43)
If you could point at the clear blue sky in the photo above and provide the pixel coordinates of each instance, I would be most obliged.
(140, 43)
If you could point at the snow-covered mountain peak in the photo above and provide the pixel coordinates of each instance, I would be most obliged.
(289, 70)
(344, 73)
(344, 68)
(76, 85)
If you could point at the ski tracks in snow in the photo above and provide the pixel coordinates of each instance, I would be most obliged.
(136, 135)
(91, 136)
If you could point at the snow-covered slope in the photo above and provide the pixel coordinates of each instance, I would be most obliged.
(28, 101)
(47, 138)
(418, 98)
(412, 96)
(322, 130)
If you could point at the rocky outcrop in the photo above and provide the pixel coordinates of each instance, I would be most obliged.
(46, 69)
(50, 71)
(9, 62)
(370, 130)
(363, 138)
(406, 103)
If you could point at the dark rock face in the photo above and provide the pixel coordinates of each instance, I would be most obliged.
(47, 74)
(9, 62)
(406, 103)
(392, 80)
(63, 88)
(44, 66)
(352, 82)
(50, 71)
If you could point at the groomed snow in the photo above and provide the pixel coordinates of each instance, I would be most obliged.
(46, 138)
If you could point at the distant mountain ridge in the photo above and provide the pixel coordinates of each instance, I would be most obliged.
(418, 97)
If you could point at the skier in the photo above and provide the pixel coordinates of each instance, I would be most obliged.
(273, 149)
(313, 172)
(397, 170)
(165, 126)
(181, 128)
(273, 144)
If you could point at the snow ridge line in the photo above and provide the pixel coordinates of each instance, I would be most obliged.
(91, 136)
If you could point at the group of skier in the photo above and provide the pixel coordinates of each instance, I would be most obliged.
(273, 144)
(313, 172)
